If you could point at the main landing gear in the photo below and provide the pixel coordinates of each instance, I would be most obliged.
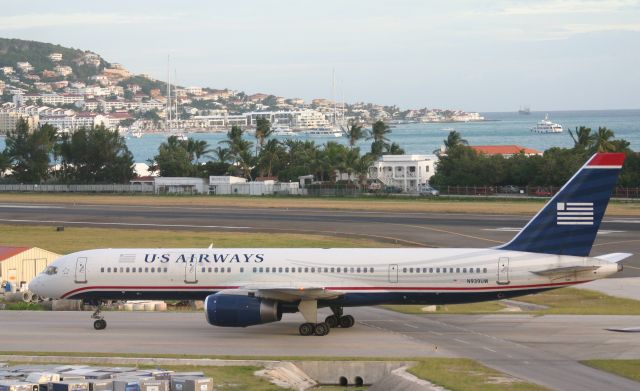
(309, 311)
(100, 323)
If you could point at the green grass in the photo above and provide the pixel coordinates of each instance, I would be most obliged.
(22, 306)
(625, 368)
(464, 374)
(80, 238)
(565, 301)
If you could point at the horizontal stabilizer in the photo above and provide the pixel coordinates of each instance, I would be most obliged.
(614, 257)
(565, 270)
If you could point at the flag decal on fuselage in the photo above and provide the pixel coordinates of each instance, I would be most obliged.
(575, 213)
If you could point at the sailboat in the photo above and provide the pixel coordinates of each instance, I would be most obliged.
(172, 122)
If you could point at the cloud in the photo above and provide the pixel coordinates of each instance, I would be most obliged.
(28, 21)
(570, 6)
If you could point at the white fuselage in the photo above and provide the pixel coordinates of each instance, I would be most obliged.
(358, 276)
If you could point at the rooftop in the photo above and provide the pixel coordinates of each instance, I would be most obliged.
(504, 150)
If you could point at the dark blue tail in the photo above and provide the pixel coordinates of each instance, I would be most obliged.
(568, 224)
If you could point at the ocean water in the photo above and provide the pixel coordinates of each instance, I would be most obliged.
(499, 129)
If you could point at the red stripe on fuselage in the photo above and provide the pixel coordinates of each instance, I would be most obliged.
(343, 289)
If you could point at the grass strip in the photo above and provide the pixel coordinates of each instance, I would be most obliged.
(487, 205)
(465, 374)
(563, 301)
(625, 368)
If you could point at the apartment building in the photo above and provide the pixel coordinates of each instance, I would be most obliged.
(406, 172)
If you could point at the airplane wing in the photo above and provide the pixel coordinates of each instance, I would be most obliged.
(291, 293)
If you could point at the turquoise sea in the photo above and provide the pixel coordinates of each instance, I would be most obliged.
(499, 129)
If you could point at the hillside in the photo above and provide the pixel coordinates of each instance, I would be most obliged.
(37, 54)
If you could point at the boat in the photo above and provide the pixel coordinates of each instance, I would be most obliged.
(546, 126)
(524, 110)
(181, 137)
(448, 129)
(283, 131)
(136, 134)
(327, 131)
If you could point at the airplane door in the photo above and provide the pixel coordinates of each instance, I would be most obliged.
(393, 273)
(190, 273)
(503, 271)
(81, 271)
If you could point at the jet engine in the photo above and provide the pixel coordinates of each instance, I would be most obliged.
(240, 310)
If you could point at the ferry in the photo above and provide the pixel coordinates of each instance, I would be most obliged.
(546, 126)
(324, 132)
(283, 131)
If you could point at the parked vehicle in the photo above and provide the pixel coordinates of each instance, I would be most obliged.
(392, 189)
(426, 190)
(510, 189)
(542, 192)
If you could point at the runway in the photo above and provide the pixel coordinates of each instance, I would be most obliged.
(617, 234)
(539, 349)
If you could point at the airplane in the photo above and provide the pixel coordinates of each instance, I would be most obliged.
(246, 286)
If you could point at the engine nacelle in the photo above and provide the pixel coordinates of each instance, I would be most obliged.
(229, 310)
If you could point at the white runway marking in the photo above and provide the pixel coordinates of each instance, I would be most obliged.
(461, 341)
(120, 224)
(412, 326)
(486, 348)
(623, 221)
(513, 229)
(30, 206)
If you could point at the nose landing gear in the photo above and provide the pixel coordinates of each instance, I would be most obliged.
(99, 323)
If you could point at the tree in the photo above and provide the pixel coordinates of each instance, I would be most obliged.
(602, 140)
(394, 149)
(355, 134)
(173, 159)
(239, 150)
(263, 130)
(454, 140)
(30, 152)
(272, 152)
(197, 149)
(221, 155)
(5, 163)
(378, 134)
(95, 155)
(583, 138)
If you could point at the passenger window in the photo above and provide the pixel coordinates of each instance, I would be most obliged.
(101, 270)
(260, 270)
(121, 270)
(108, 270)
(279, 270)
(326, 270)
(313, 270)
(333, 269)
(166, 269)
(338, 270)
(430, 270)
(444, 270)
(371, 270)
(450, 270)
(358, 270)
(127, 270)
(241, 270)
(204, 269)
(351, 270)
(221, 270)
(228, 270)
(306, 270)
(286, 270)
(255, 269)
(153, 269)
(146, 270)
(411, 270)
(404, 269)
(464, 270)
(477, 270)
(484, 270)
(133, 269)
(139, 270)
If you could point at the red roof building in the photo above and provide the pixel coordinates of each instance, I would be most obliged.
(505, 150)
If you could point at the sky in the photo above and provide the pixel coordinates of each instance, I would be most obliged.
(470, 55)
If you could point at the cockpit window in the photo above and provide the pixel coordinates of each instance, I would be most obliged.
(51, 270)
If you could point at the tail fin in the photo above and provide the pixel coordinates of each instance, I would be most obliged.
(568, 223)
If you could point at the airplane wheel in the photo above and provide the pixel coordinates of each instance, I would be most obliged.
(306, 329)
(331, 321)
(321, 329)
(100, 324)
(347, 321)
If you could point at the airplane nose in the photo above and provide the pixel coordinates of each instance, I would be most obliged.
(35, 285)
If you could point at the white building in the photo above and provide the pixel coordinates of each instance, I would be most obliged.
(180, 185)
(406, 172)
(55, 57)
(24, 67)
(9, 119)
(308, 119)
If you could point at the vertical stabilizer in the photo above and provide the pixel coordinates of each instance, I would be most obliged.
(569, 222)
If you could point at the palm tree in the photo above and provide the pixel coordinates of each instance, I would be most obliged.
(238, 148)
(263, 130)
(583, 138)
(355, 134)
(602, 140)
(454, 139)
(221, 154)
(271, 153)
(379, 132)
(197, 148)
(361, 168)
(394, 149)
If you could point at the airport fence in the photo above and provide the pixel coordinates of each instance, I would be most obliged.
(104, 188)
(530, 191)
